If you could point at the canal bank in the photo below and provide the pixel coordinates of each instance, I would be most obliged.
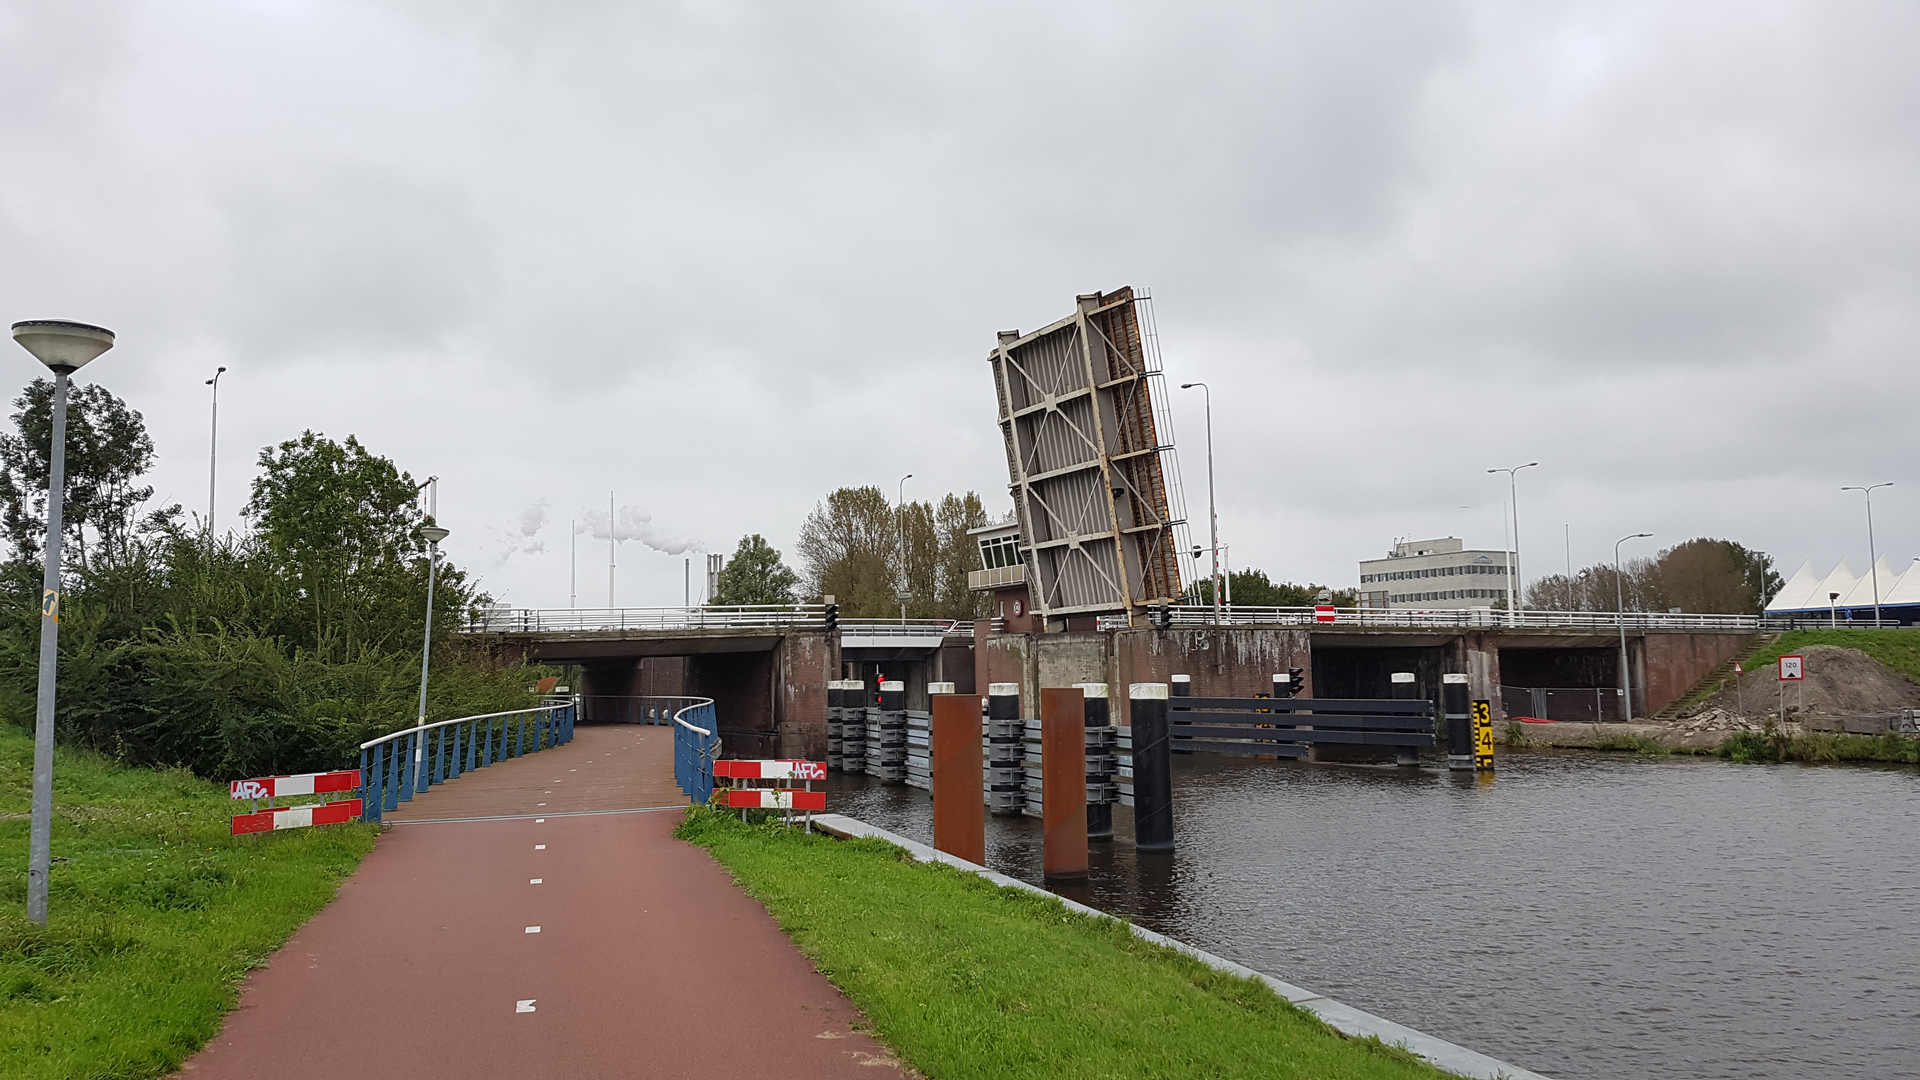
(1592, 915)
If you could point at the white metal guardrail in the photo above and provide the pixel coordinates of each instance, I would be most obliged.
(1489, 618)
(511, 620)
(508, 620)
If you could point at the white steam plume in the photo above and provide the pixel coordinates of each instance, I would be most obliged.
(635, 523)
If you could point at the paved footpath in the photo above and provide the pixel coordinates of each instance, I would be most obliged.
(510, 927)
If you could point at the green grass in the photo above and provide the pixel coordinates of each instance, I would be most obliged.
(155, 913)
(1819, 747)
(1897, 649)
(965, 979)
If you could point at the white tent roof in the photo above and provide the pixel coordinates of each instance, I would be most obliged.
(1904, 591)
(1793, 595)
(1861, 595)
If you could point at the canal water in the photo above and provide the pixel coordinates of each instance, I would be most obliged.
(1584, 915)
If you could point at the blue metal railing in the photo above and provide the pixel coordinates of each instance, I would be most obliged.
(393, 768)
(696, 743)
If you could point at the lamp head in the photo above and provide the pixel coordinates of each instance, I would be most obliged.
(433, 533)
(65, 347)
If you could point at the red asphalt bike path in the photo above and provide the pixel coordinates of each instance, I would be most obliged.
(648, 962)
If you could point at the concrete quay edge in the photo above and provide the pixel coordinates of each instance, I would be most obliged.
(1338, 1015)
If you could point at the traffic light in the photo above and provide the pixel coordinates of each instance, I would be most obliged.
(1296, 681)
(1161, 615)
(833, 617)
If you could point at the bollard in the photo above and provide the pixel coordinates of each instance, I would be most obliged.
(1006, 749)
(853, 725)
(835, 696)
(1483, 736)
(959, 817)
(1063, 783)
(1454, 706)
(1101, 746)
(1180, 686)
(1152, 767)
(1405, 689)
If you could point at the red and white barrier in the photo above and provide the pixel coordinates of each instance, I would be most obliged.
(770, 770)
(297, 817)
(280, 787)
(776, 799)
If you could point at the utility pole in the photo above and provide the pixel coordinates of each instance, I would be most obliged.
(213, 447)
(1873, 557)
(1620, 606)
(900, 504)
(1213, 512)
(1516, 590)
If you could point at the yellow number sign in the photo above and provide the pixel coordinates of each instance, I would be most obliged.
(1482, 735)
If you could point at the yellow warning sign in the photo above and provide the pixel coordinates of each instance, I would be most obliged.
(1482, 735)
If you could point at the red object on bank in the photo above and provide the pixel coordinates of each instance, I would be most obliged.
(1323, 613)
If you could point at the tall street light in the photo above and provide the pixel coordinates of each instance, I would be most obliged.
(1213, 514)
(900, 503)
(1873, 558)
(1516, 593)
(213, 447)
(434, 534)
(65, 347)
(1620, 613)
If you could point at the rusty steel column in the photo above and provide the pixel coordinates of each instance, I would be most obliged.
(959, 813)
(1063, 782)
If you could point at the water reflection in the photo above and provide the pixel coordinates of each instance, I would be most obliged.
(1586, 915)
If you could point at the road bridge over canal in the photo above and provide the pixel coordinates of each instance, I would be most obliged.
(767, 667)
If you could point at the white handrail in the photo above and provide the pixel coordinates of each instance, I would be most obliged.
(456, 720)
(697, 702)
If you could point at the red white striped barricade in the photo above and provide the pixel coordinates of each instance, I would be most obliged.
(776, 799)
(756, 785)
(294, 817)
(1323, 613)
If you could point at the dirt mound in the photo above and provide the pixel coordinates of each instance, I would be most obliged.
(1839, 682)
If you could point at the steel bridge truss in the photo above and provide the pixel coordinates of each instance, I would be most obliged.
(1077, 415)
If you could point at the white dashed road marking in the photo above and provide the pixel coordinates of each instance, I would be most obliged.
(535, 881)
(539, 847)
(533, 929)
(524, 1006)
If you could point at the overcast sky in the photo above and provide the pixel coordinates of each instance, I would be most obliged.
(720, 258)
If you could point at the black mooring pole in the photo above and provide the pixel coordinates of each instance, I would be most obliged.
(1152, 767)
(1453, 700)
(1100, 811)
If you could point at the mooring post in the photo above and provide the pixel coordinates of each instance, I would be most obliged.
(1181, 686)
(1006, 749)
(1453, 701)
(953, 745)
(1405, 689)
(1100, 748)
(1063, 783)
(1152, 767)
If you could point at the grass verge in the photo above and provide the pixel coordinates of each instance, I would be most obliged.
(1897, 649)
(965, 979)
(155, 913)
(1817, 747)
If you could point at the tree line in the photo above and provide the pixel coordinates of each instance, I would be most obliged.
(275, 648)
(858, 547)
(1702, 575)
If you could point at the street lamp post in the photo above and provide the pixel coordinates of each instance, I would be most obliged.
(434, 534)
(1516, 593)
(1213, 513)
(1620, 613)
(213, 447)
(1873, 557)
(65, 347)
(900, 502)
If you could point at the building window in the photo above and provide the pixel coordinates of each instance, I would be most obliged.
(999, 551)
